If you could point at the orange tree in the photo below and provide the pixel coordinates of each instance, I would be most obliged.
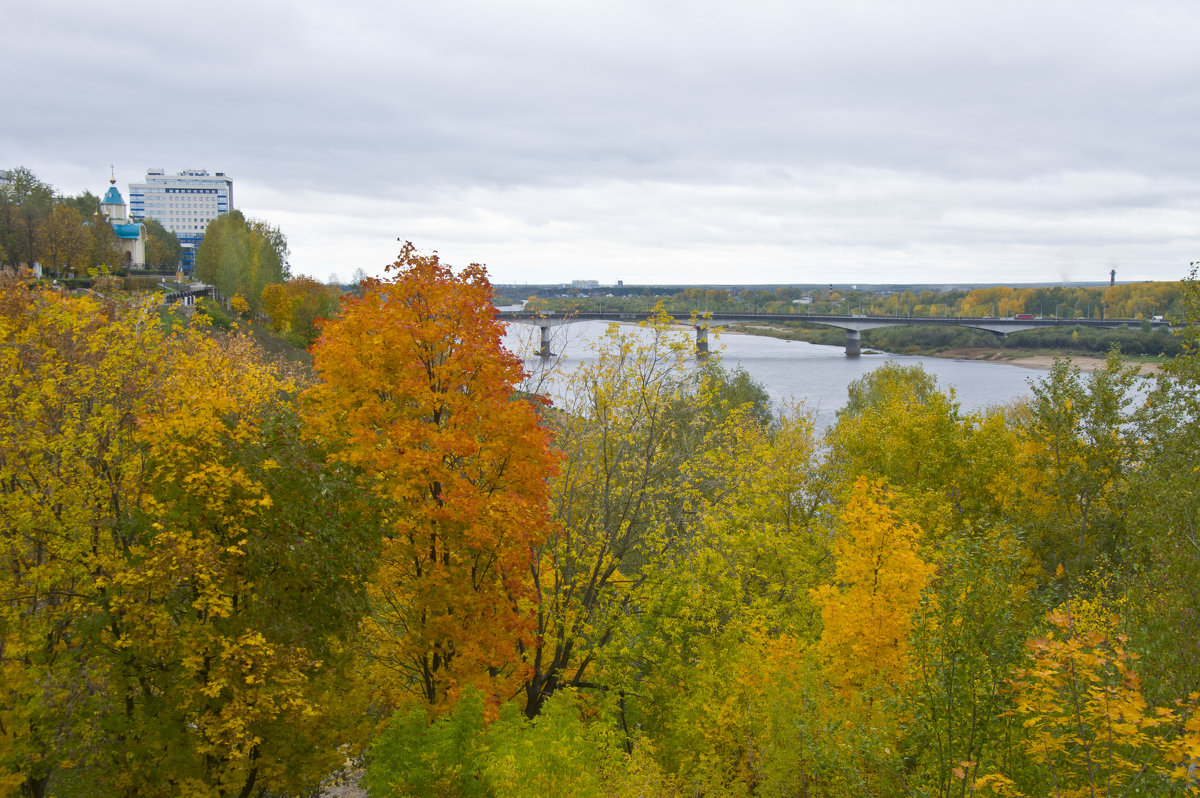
(416, 391)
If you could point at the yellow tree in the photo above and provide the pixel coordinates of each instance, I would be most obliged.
(244, 581)
(727, 591)
(165, 625)
(65, 242)
(637, 432)
(1087, 729)
(897, 426)
(416, 392)
(297, 306)
(74, 375)
(868, 611)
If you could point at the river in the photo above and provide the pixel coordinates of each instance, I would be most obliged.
(816, 375)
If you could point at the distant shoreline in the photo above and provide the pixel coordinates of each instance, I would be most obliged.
(1043, 361)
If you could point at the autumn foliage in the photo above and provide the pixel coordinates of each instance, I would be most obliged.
(417, 395)
(223, 577)
(164, 627)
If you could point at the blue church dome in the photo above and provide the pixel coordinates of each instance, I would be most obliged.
(112, 197)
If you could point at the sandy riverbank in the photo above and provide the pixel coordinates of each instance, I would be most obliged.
(1083, 362)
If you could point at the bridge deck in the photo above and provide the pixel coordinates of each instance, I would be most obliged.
(853, 325)
(846, 322)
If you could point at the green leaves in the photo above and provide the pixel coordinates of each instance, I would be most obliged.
(242, 256)
(1080, 449)
(173, 608)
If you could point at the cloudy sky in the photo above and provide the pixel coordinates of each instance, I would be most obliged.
(650, 141)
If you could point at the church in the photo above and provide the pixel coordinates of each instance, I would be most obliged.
(131, 235)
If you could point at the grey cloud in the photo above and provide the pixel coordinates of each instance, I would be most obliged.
(767, 128)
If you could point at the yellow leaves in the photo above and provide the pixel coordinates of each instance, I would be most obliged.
(1085, 718)
(239, 304)
(74, 375)
(879, 579)
(996, 784)
(154, 542)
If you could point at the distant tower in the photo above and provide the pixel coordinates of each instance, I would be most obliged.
(1112, 277)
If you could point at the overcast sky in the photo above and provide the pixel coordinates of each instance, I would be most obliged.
(641, 140)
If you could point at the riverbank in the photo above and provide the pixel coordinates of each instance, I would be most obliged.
(1041, 360)
(1026, 358)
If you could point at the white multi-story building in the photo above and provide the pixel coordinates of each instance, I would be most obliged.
(184, 204)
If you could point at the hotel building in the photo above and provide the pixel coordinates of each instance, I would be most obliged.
(184, 204)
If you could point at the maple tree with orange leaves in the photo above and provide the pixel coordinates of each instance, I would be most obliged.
(417, 392)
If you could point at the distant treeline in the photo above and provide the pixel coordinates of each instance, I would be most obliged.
(1128, 300)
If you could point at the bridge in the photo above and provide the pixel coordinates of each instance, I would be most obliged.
(189, 296)
(852, 324)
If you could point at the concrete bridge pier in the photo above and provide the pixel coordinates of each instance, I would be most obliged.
(853, 343)
(544, 348)
(701, 341)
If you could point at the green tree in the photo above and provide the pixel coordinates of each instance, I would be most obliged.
(163, 249)
(86, 204)
(968, 635)
(65, 242)
(1164, 509)
(1078, 450)
(242, 256)
(25, 202)
(105, 248)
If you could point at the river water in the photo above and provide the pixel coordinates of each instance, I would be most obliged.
(815, 375)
